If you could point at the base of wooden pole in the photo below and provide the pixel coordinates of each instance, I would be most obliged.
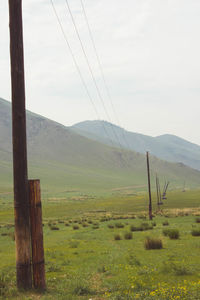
(38, 263)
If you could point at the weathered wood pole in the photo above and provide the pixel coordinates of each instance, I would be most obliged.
(157, 191)
(21, 202)
(37, 235)
(149, 187)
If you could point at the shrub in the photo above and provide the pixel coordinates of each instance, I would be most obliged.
(133, 261)
(165, 223)
(134, 228)
(195, 232)
(104, 219)
(95, 223)
(133, 217)
(54, 227)
(173, 234)
(110, 226)
(67, 224)
(197, 220)
(95, 227)
(181, 270)
(177, 268)
(82, 290)
(75, 227)
(166, 232)
(142, 227)
(153, 243)
(117, 237)
(84, 224)
(119, 225)
(4, 234)
(153, 224)
(90, 222)
(51, 223)
(101, 269)
(128, 235)
(146, 226)
(52, 267)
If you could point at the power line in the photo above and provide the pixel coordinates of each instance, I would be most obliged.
(91, 72)
(74, 59)
(80, 74)
(78, 69)
(101, 71)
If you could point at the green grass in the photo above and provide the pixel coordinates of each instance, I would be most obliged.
(89, 263)
(78, 204)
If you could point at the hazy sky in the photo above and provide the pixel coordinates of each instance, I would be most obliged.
(149, 50)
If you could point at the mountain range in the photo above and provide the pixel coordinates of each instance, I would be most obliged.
(167, 147)
(66, 160)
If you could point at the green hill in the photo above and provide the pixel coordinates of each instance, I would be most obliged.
(68, 162)
(167, 147)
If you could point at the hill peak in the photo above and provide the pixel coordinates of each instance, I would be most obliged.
(167, 146)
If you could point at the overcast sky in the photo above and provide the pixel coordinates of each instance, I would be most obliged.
(149, 50)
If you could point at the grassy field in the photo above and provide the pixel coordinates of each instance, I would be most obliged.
(93, 251)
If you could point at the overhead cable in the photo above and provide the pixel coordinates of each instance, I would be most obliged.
(91, 72)
(102, 72)
(78, 69)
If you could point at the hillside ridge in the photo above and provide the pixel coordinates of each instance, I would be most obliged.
(63, 159)
(167, 146)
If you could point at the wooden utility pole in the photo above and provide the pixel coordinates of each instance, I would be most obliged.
(21, 201)
(37, 235)
(157, 191)
(149, 187)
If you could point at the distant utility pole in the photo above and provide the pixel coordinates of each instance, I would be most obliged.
(21, 201)
(149, 187)
(157, 191)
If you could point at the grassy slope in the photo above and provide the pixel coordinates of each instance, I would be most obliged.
(64, 160)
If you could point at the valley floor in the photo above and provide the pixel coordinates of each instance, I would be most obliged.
(96, 250)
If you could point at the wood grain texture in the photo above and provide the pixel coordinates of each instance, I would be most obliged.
(21, 202)
(37, 235)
